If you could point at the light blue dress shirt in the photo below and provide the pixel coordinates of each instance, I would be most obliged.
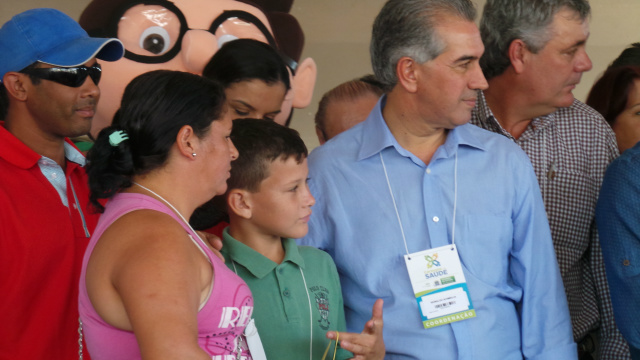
(501, 232)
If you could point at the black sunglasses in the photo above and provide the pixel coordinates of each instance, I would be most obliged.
(71, 76)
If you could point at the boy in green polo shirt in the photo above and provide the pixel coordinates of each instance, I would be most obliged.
(296, 289)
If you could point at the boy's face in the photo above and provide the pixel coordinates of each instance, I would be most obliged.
(282, 205)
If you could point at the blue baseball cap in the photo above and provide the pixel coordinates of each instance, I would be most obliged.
(52, 37)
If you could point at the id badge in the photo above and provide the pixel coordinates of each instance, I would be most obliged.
(439, 286)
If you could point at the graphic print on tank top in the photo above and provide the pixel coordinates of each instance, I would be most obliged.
(231, 324)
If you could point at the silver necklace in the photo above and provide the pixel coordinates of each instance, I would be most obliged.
(171, 206)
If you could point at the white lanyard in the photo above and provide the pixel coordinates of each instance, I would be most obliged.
(436, 275)
(173, 208)
(310, 313)
(455, 201)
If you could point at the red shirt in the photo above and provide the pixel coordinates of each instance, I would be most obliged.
(42, 243)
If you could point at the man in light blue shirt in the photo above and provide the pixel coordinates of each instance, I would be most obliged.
(415, 176)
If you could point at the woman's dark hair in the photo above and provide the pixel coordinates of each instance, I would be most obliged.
(609, 94)
(154, 107)
(247, 59)
(628, 57)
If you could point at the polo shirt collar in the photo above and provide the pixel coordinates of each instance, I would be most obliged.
(257, 264)
(73, 154)
(376, 136)
(21, 156)
(15, 151)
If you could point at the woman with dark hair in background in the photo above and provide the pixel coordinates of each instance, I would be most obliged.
(616, 95)
(255, 81)
(150, 287)
(254, 77)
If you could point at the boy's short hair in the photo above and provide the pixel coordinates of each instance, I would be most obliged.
(260, 142)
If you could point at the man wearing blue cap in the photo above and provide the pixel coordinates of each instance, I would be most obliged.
(49, 72)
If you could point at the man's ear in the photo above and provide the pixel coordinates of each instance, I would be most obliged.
(303, 83)
(239, 203)
(15, 85)
(407, 73)
(518, 53)
(187, 142)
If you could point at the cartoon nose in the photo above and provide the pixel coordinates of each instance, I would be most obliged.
(198, 46)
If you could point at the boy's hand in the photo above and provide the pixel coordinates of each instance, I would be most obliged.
(214, 242)
(368, 345)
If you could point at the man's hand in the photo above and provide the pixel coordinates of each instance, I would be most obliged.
(368, 345)
(214, 242)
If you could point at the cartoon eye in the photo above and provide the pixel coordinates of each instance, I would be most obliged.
(225, 39)
(156, 40)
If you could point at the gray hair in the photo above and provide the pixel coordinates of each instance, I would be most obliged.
(528, 20)
(407, 28)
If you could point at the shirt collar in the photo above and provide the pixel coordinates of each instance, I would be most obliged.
(487, 119)
(73, 154)
(376, 136)
(15, 151)
(257, 264)
(21, 156)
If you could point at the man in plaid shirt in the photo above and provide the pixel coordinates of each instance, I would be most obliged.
(534, 57)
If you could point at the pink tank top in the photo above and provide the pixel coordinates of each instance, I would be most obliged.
(221, 320)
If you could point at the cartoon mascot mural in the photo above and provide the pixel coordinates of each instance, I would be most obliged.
(184, 35)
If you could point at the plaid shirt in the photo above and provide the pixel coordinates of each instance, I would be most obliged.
(570, 150)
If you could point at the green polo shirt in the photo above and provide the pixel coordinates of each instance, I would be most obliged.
(281, 306)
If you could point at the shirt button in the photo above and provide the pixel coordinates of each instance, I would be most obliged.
(626, 262)
(428, 171)
(436, 219)
(75, 206)
(54, 176)
(280, 271)
(285, 292)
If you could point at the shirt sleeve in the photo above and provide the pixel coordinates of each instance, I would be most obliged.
(617, 215)
(546, 324)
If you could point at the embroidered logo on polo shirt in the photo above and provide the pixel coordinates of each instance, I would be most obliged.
(322, 304)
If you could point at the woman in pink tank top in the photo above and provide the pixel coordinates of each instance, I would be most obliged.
(150, 288)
